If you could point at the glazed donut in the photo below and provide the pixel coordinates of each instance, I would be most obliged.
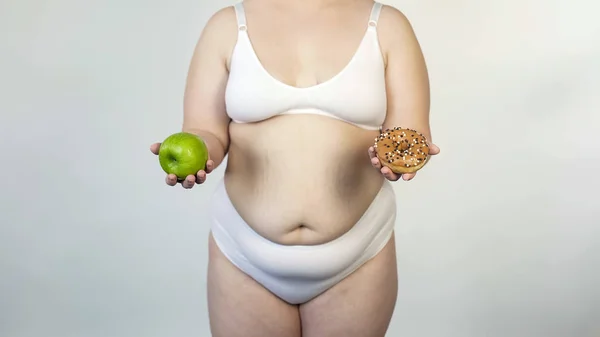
(402, 150)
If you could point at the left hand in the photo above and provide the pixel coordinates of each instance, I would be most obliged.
(388, 174)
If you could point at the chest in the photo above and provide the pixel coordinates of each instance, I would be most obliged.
(329, 65)
(305, 50)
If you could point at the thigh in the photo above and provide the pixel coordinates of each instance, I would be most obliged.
(239, 306)
(361, 305)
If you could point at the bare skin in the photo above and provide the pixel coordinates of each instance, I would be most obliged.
(299, 158)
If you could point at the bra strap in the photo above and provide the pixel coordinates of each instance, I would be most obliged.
(240, 14)
(375, 11)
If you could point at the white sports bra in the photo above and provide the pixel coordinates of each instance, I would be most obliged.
(356, 95)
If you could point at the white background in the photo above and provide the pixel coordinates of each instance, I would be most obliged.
(499, 236)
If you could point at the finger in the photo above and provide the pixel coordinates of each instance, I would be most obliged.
(376, 163)
(200, 177)
(408, 176)
(171, 180)
(154, 148)
(189, 182)
(388, 174)
(372, 153)
(210, 165)
(433, 149)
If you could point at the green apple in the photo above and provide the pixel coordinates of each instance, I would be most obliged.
(183, 154)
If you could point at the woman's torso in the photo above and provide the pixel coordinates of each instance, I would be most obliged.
(304, 178)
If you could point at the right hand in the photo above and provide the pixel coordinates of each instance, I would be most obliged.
(191, 180)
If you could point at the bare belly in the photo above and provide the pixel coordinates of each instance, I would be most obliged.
(301, 179)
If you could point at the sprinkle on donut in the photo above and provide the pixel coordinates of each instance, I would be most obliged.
(402, 150)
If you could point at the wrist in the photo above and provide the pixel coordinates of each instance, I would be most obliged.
(216, 148)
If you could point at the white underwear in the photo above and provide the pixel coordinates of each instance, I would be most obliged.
(297, 274)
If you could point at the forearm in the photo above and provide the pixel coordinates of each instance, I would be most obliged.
(217, 149)
(418, 121)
